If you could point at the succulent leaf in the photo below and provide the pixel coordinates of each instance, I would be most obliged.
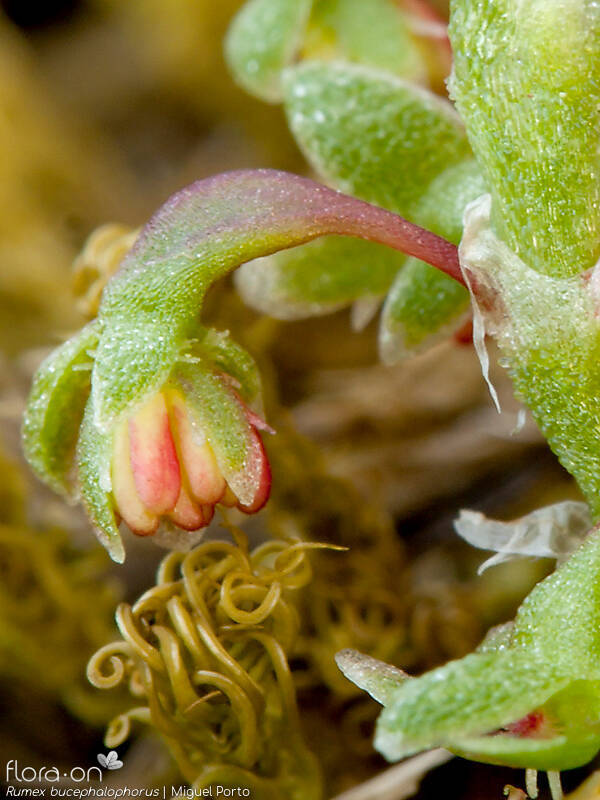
(377, 36)
(530, 697)
(472, 696)
(400, 130)
(361, 129)
(566, 604)
(318, 277)
(263, 38)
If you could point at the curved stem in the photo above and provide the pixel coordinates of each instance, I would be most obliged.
(211, 227)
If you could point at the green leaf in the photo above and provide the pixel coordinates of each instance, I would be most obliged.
(371, 134)
(375, 35)
(377, 678)
(565, 606)
(263, 39)
(573, 712)
(421, 307)
(318, 278)
(469, 697)
(527, 83)
(55, 408)
(400, 130)
(545, 665)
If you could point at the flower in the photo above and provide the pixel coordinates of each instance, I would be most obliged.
(169, 456)
(145, 414)
(163, 465)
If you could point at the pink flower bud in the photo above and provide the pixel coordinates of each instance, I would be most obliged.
(164, 466)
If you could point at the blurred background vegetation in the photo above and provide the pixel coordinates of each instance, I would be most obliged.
(106, 108)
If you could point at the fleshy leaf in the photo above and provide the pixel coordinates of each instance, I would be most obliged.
(55, 408)
(150, 307)
(318, 277)
(527, 83)
(469, 697)
(576, 740)
(566, 604)
(361, 129)
(378, 35)
(423, 304)
(263, 38)
(550, 532)
(420, 308)
(375, 677)
(529, 697)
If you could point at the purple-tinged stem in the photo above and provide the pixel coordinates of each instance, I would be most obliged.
(221, 222)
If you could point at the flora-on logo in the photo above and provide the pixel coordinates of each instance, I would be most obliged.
(109, 761)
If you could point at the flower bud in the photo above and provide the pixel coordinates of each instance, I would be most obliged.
(144, 414)
(163, 466)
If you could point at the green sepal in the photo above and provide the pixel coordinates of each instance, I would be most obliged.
(263, 38)
(474, 695)
(318, 277)
(377, 35)
(227, 355)
(94, 451)
(526, 82)
(132, 362)
(361, 129)
(148, 320)
(55, 409)
(215, 410)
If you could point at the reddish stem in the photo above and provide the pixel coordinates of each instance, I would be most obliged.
(396, 232)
